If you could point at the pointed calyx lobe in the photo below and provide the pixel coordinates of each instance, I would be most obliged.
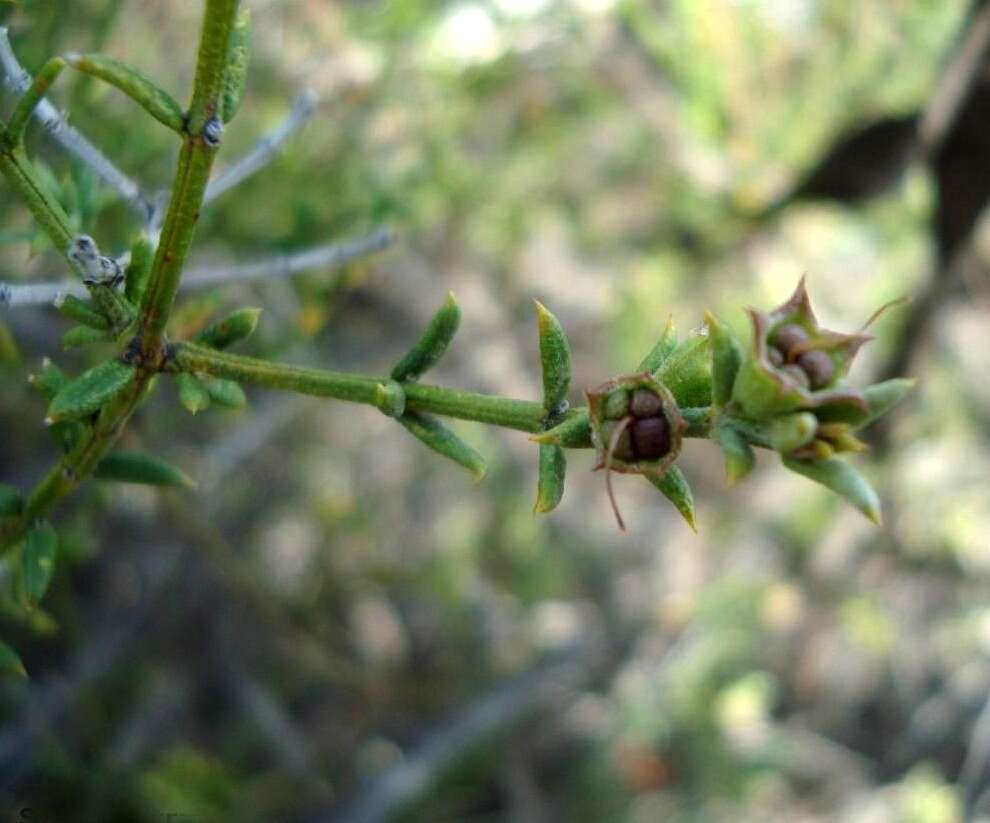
(796, 364)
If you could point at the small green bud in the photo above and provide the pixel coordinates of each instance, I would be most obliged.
(790, 432)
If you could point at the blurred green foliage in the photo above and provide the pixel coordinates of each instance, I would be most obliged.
(606, 158)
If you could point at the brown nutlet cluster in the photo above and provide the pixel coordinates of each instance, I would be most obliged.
(645, 431)
(811, 368)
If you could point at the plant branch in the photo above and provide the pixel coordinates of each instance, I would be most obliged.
(522, 415)
(69, 138)
(265, 150)
(199, 149)
(16, 295)
(16, 167)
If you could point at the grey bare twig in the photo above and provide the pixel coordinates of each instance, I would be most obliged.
(18, 80)
(15, 295)
(265, 149)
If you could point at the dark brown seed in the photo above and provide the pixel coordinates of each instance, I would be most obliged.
(624, 446)
(818, 366)
(797, 374)
(651, 437)
(789, 336)
(645, 403)
(617, 405)
(775, 356)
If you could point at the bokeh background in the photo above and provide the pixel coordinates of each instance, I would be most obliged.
(337, 625)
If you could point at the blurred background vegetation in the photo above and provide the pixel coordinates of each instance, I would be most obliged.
(338, 625)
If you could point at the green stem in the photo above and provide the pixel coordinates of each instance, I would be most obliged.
(195, 163)
(522, 415)
(75, 466)
(16, 167)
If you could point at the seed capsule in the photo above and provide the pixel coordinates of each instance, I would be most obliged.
(651, 437)
(645, 403)
(636, 425)
(789, 336)
(775, 356)
(818, 366)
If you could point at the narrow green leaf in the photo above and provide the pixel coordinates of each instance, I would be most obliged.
(430, 347)
(235, 326)
(727, 356)
(235, 75)
(129, 467)
(674, 486)
(38, 562)
(139, 269)
(550, 482)
(11, 502)
(739, 456)
(882, 397)
(88, 392)
(84, 336)
(573, 433)
(10, 662)
(143, 91)
(438, 437)
(662, 350)
(555, 358)
(225, 392)
(29, 100)
(843, 479)
(687, 372)
(390, 398)
(81, 311)
(192, 393)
